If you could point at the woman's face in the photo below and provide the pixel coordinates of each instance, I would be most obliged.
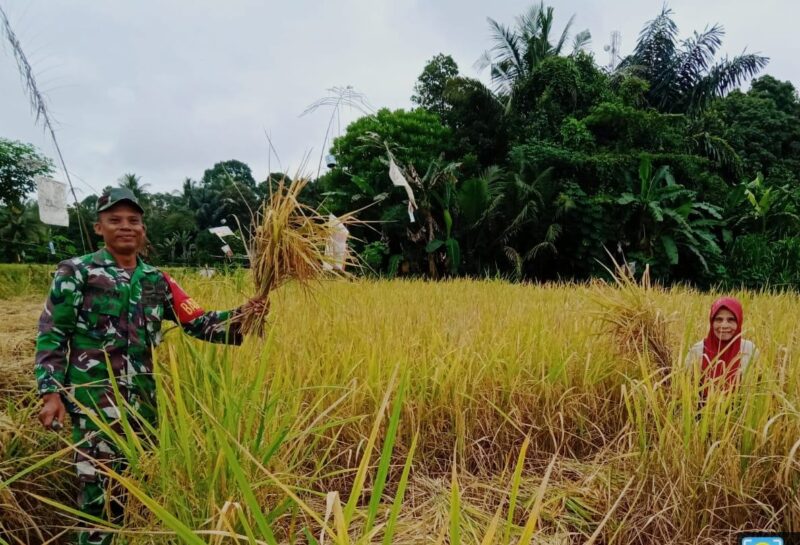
(724, 325)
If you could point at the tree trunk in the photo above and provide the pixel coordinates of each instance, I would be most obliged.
(432, 270)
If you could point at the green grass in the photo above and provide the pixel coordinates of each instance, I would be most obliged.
(24, 279)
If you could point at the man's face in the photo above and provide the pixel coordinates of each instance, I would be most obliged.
(122, 228)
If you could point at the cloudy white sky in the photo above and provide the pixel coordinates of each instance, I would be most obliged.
(167, 88)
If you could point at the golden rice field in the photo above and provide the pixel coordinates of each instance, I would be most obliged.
(411, 412)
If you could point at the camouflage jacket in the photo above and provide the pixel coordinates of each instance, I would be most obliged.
(96, 313)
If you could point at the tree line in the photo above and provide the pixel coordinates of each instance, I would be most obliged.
(661, 158)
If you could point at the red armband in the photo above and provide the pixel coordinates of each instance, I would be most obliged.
(184, 306)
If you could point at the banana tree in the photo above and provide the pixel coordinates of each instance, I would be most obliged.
(179, 246)
(21, 232)
(436, 201)
(772, 208)
(436, 198)
(665, 217)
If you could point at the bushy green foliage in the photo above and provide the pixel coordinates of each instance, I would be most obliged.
(430, 89)
(537, 176)
(756, 261)
(20, 163)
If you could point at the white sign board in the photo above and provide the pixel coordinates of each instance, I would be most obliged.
(52, 201)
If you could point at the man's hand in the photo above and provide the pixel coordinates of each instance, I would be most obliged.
(255, 306)
(52, 411)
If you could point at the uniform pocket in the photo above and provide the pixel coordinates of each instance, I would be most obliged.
(102, 316)
(110, 306)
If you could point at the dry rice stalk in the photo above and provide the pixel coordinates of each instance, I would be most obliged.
(16, 354)
(630, 316)
(288, 241)
(6, 429)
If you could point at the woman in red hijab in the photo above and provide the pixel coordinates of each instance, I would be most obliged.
(723, 355)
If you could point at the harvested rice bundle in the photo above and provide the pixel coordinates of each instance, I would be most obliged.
(292, 241)
(632, 318)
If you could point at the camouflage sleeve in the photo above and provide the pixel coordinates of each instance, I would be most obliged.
(56, 324)
(214, 326)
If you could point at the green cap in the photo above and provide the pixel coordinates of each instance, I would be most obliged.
(116, 195)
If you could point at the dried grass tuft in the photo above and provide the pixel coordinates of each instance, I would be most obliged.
(288, 242)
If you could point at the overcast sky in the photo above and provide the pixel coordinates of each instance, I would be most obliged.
(166, 89)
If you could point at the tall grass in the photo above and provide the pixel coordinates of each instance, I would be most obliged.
(463, 412)
(16, 280)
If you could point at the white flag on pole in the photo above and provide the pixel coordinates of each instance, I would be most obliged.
(52, 201)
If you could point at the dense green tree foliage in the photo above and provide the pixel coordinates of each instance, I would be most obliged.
(664, 161)
(19, 165)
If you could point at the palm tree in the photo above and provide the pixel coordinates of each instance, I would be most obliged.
(683, 77)
(476, 194)
(208, 206)
(527, 209)
(134, 184)
(474, 197)
(518, 51)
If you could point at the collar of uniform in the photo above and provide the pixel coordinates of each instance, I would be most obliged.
(104, 258)
(144, 266)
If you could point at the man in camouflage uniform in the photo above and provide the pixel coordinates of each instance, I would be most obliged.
(105, 309)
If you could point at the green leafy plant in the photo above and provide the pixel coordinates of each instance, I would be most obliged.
(665, 217)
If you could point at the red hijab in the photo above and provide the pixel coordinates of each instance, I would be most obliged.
(723, 358)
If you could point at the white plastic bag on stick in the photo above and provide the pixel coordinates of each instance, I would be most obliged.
(223, 231)
(398, 180)
(336, 247)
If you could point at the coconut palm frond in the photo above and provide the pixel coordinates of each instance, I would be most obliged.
(581, 41)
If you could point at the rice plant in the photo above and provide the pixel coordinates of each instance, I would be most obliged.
(453, 412)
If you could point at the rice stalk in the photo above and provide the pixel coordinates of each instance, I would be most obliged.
(290, 241)
(489, 364)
